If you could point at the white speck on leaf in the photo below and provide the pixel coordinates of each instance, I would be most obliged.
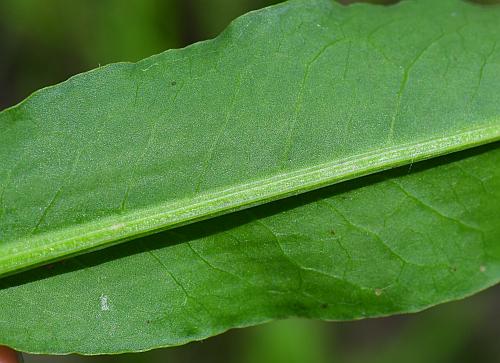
(104, 301)
(482, 268)
(114, 227)
(378, 292)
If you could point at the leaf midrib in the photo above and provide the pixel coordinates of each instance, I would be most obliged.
(51, 246)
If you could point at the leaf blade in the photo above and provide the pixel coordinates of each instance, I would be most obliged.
(336, 253)
(139, 146)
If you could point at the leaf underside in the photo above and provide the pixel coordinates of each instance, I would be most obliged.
(288, 99)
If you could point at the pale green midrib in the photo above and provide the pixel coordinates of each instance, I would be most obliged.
(103, 233)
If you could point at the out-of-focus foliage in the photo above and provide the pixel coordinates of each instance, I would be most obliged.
(43, 42)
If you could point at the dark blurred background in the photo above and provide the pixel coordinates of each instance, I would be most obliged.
(43, 42)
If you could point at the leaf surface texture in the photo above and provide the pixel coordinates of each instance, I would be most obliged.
(289, 99)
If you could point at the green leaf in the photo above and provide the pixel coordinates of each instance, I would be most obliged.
(384, 244)
(286, 100)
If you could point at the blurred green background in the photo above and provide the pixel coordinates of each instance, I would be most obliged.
(43, 42)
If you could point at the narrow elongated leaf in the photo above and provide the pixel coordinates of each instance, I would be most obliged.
(288, 99)
(384, 244)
